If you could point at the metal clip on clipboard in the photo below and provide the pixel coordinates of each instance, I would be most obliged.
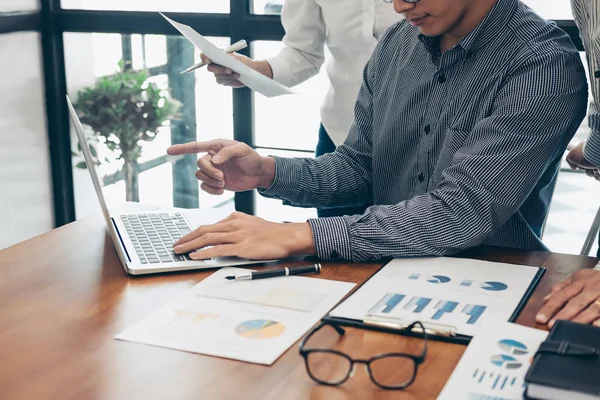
(431, 328)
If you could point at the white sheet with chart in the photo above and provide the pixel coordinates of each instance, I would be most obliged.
(254, 321)
(495, 363)
(453, 292)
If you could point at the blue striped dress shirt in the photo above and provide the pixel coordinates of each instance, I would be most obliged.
(455, 149)
(587, 17)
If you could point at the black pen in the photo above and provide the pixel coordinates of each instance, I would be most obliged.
(272, 273)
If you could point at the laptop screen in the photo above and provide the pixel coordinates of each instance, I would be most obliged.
(89, 160)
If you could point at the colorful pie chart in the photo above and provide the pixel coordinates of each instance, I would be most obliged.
(438, 279)
(260, 329)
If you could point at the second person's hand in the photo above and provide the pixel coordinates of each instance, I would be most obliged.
(227, 77)
(228, 165)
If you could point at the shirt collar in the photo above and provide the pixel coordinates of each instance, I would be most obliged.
(487, 29)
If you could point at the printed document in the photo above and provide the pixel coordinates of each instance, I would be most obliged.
(447, 292)
(495, 363)
(249, 77)
(254, 321)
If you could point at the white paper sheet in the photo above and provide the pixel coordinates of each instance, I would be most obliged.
(495, 363)
(253, 321)
(454, 292)
(249, 77)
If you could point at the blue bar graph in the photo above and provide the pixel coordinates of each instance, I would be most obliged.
(419, 302)
(414, 276)
(466, 283)
(387, 303)
(443, 307)
(497, 382)
(474, 311)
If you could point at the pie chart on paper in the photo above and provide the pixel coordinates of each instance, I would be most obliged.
(260, 329)
(438, 279)
(494, 286)
(513, 347)
(504, 361)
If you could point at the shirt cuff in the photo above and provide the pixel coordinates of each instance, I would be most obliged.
(279, 67)
(591, 148)
(332, 238)
(287, 176)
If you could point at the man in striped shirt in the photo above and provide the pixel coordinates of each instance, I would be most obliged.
(465, 109)
(578, 297)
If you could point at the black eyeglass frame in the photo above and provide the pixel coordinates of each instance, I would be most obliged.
(417, 360)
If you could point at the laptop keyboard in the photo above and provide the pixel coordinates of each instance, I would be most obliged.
(153, 236)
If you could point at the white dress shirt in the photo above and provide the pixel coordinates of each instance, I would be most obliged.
(351, 30)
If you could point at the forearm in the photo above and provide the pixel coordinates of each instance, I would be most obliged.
(333, 180)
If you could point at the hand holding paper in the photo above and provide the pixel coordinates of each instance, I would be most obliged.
(248, 76)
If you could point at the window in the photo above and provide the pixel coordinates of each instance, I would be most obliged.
(554, 9)
(267, 6)
(204, 6)
(289, 122)
(206, 105)
(19, 5)
(25, 182)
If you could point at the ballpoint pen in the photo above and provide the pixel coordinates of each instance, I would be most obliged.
(272, 273)
(231, 49)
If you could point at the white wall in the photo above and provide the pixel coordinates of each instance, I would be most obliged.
(25, 179)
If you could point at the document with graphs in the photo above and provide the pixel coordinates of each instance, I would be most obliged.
(450, 295)
(495, 363)
(254, 321)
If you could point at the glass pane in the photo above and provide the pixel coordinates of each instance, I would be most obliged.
(274, 210)
(25, 181)
(203, 6)
(267, 6)
(19, 5)
(555, 9)
(289, 122)
(206, 112)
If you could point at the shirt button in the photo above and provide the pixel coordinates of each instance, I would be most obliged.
(442, 78)
(597, 73)
(421, 177)
(427, 129)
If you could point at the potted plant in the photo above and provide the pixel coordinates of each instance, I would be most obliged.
(125, 109)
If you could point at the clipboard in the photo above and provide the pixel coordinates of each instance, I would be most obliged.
(441, 332)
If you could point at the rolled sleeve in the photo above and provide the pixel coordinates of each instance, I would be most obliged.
(332, 238)
(591, 149)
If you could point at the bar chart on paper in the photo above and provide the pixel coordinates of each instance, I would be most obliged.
(427, 308)
(457, 294)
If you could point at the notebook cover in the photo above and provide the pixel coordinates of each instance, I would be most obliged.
(579, 374)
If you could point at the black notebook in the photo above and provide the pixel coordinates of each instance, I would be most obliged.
(567, 365)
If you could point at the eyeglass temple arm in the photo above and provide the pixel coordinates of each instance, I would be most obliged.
(425, 337)
(341, 331)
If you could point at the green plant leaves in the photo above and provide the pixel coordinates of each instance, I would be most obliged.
(125, 108)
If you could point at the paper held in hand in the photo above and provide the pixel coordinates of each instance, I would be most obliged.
(249, 77)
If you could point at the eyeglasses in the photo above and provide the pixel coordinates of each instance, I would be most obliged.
(407, 1)
(390, 371)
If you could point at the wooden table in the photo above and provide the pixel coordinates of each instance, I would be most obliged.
(63, 296)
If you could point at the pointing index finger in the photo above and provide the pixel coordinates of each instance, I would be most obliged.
(199, 147)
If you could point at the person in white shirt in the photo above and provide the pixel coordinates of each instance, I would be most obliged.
(350, 29)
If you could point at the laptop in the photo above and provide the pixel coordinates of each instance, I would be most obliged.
(144, 240)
